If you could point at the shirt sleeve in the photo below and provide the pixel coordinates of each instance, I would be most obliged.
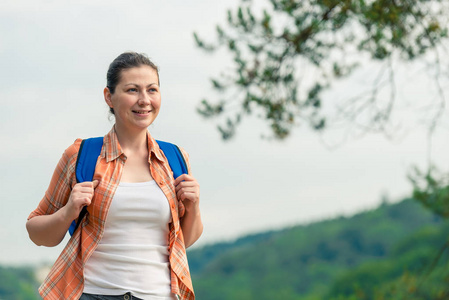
(61, 183)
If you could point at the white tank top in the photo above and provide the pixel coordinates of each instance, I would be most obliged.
(132, 256)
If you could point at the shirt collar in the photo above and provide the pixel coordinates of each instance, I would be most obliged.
(112, 149)
(153, 148)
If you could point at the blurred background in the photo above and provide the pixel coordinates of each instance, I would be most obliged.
(300, 172)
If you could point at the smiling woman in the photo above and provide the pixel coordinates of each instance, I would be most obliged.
(139, 218)
(136, 99)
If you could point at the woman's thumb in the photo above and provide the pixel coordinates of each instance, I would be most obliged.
(95, 183)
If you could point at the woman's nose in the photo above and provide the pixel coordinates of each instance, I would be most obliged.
(144, 99)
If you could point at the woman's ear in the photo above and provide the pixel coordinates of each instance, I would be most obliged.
(108, 97)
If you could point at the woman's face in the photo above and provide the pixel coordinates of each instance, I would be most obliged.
(137, 98)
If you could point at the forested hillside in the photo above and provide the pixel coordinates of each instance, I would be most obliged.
(18, 284)
(396, 251)
(381, 254)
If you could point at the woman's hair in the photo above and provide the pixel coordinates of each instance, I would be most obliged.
(123, 62)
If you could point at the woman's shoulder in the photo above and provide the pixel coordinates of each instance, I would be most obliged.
(71, 153)
(74, 148)
(186, 157)
(183, 152)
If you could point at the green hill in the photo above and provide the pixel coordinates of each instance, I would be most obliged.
(397, 251)
(361, 257)
(18, 283)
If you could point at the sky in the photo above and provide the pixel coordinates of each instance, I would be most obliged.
(53, 61)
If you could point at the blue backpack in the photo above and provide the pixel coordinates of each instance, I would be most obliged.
(87, 159)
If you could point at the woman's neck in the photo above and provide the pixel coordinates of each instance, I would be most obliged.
(131, 140)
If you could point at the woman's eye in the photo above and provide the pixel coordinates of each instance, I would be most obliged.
(132, 90)
(153, 90)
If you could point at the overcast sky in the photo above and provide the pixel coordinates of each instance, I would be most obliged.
(53, 61)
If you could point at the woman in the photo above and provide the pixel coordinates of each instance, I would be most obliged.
(140, 219)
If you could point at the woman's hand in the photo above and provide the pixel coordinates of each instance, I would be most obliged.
(81, 195)
(49, 230)
(188, 191)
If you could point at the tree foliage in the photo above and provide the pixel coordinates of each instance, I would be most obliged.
(432, 190)
(287, 53)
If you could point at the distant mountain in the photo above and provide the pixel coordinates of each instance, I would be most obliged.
(344, 258)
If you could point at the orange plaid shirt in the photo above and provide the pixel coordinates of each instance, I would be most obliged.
(66, 278)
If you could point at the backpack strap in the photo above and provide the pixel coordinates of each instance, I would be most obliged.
(87, 158)
(175, 159)
(85, 167)
(86, 162)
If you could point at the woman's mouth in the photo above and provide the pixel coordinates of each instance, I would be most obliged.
(141, 112)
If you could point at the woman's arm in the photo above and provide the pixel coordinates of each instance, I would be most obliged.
(188, 191)
(49, 222)
(49, 230)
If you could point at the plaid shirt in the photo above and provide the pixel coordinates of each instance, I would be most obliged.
(66, 278)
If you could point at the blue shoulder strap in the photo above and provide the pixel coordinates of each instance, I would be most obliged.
(87, 160)
(175, 159)
(85, 167)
